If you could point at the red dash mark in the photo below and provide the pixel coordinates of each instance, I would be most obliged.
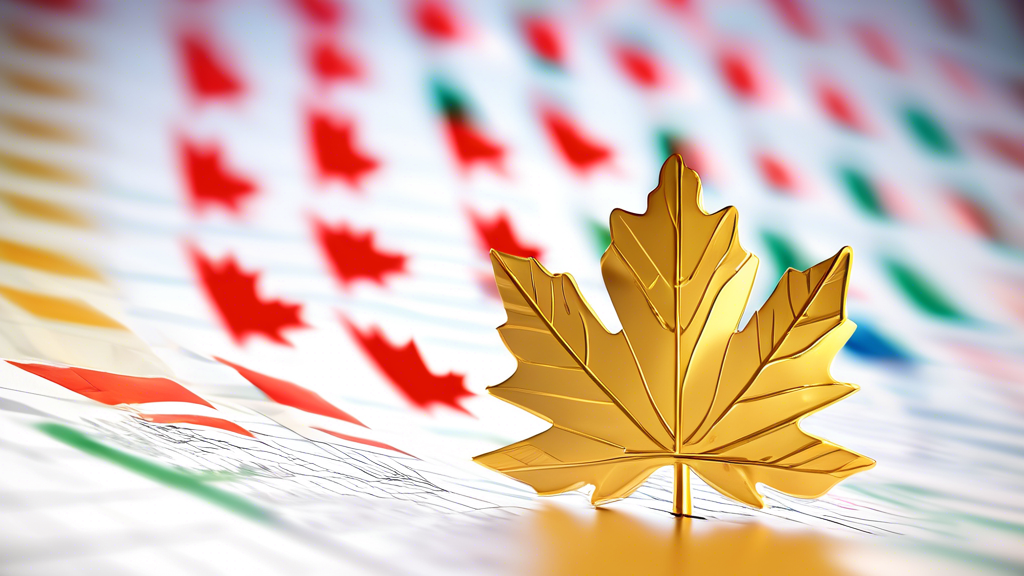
(640, 66)
(959, 76)
(839, 107)
(1009, 148)
(289, 394)
(113, 389)
(953, 14)
(436, 20)
(405, 368)
(65, 6)
(331, 64)
(970, 216)
(578, 150)
(879, 46)
(794, 13)
(353, 255)
(335, 152)
(473, 147)
(319, 12)
(544, 39)
(210, 182)
(208, 75)
(739, 74)
(197, 420)
(777, 174)
(497, 233)
(233, 294)
(365, 441)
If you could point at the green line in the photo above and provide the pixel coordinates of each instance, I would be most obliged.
(599, 235)
(923, 293)
(166, 476)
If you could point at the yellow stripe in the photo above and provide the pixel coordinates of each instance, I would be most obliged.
(33, 168)
(60, 309)
(33, 40)
(39, 259)
(43, 210)
(39, 129)
(39, 86)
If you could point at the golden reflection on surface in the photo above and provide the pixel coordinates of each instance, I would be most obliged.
(608, 541)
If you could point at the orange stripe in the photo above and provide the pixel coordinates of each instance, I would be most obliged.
(197, 420)
(60, 309)
(44, 260)
(32, 168)
(39, 129)
(43, 210)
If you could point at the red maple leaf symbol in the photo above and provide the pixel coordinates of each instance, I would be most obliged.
(330, 63)
(233, 294)
(471, 146)
(497, 233)
(334, 150)
(353, 255)
(210, 182)
(405, 368)
(208, 75)
(581, 152)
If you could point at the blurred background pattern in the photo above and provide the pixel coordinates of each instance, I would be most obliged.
(247, 308)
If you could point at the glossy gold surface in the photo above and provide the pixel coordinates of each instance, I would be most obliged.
(679, 385)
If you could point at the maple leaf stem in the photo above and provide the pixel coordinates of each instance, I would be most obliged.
(681, 503)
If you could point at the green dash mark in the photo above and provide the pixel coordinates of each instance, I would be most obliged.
(863, 191)
(600, 235)
(927, 131)
(783, 252)
(166, 476)
(922, 293)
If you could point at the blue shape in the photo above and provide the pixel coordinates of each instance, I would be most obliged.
(867, 343)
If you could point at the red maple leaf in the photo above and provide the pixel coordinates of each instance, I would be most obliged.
(243, 312)
(580, 151)
(640, 66)
(436, 20)
(111, 388)
(353, 256)
(197, 420)
(472, 147)
(545, 39)
(290, 394)
(210, 182)
(330, 63)
(405, 368)
(497, 233)
(320, 12)
(208, 75)
(334, 150)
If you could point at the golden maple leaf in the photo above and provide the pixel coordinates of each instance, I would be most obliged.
(679, 385)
